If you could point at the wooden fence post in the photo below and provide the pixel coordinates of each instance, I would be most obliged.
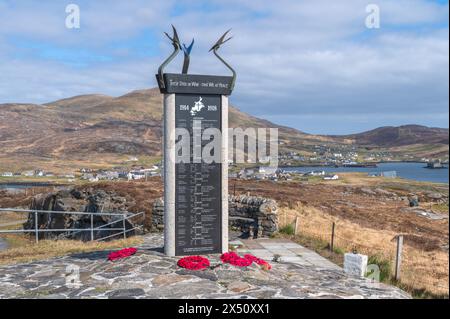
(398, 257)
(92, 227)
(124, 227)
(36, 234)
(332, 237)
(296, 226)
(143, 223)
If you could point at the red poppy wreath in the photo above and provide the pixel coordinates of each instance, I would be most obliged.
(194, 262)
(123, 253)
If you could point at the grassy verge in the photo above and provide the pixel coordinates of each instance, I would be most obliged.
(424, 273)
(322, 247)
(22, 250)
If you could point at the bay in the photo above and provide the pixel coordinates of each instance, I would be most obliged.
(407, 170)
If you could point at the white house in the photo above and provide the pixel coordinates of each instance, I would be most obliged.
(93, 179)
(28, 173)
(7, 174)
(39, 173)
(267, 170)
(331, 177)
(316, 173)
(132, 175)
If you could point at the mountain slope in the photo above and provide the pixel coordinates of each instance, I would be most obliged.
(103, 131)
(96, 130)
(390, 136)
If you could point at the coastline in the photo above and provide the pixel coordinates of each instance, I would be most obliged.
(404, 170)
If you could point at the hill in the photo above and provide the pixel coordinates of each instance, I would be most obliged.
(416, 139)
(101, 131)
(390, 136)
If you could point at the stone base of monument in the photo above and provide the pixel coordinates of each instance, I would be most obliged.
(299, 273)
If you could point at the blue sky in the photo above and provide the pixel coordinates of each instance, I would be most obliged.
(312, 65)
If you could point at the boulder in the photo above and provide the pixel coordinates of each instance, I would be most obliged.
(413, 200)
(434, 196)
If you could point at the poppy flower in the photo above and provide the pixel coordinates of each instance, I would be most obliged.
(194, 262)
(123, 253)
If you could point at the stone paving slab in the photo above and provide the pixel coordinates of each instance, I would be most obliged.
(151, 274)
(287, 251)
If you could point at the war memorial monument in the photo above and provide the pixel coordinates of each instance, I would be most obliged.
(195, 189)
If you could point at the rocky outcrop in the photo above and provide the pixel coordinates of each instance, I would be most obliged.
(253, 216)
(73, 200)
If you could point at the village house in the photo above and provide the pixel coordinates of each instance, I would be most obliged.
(331, 177)
(108, 175)
(134, 175)
(7, 174)
(87, 176)
(28, 173)
(315, 173)
(267, 170)
(93, 179)
(39, 173)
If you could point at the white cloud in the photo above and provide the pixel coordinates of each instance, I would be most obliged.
(313, 58)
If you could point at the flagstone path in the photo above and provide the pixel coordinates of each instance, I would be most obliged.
(299, 273)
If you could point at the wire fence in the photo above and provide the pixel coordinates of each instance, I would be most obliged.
(408, 266)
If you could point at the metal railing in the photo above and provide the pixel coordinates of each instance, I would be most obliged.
(125, 216)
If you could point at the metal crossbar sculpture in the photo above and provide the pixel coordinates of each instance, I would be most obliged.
(216, 47)
(187, 52)
(176, 45)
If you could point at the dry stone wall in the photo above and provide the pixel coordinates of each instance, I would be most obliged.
(254, 216)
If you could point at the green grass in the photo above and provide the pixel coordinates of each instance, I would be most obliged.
(322, 247)
(441, 208)
(384, 265)
(287, 230)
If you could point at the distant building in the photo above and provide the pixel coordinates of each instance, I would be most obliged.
(316, 173)
(28, 173)
(247, 173)
(267, 170)
(7, 174)
(331, 177)
(108, 175)
(39, 173)
(435, 164)
(133, 175)
(87, 176)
